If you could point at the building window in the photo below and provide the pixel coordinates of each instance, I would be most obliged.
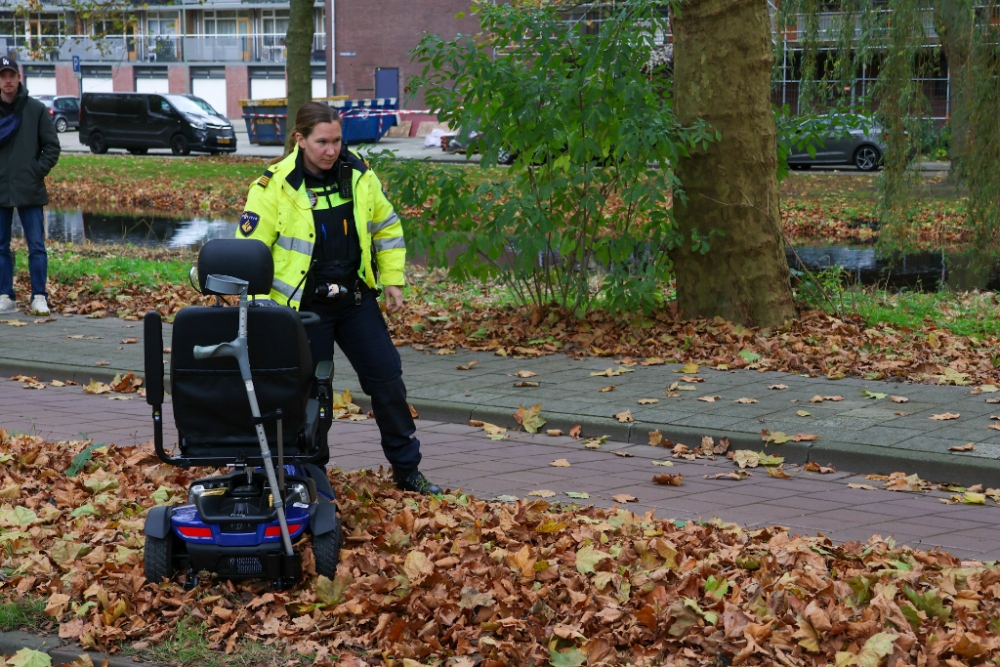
(219, 23)
(161, 23)
(274, 25)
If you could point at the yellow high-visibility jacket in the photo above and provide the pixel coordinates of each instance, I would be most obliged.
(279, 213)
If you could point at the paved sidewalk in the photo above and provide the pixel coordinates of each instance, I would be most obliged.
(460, 456)
(857, 433)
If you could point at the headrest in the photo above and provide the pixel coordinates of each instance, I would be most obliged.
(246, 259)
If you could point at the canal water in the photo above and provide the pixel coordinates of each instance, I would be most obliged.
(861, 264)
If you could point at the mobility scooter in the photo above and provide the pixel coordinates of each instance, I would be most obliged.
(242, 403)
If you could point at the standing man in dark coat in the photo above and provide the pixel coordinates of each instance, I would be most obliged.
(29, 148)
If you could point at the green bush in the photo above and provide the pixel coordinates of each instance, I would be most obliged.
(582, 216)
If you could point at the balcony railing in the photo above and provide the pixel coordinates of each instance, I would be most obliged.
(252, 48)
(831, 24)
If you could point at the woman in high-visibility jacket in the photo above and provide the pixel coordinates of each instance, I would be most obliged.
(334, 238)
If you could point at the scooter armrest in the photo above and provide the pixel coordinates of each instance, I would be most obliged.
(324, 372)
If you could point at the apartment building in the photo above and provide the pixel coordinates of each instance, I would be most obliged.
(226, 50)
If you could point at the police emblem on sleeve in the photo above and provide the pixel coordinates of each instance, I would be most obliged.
(248, 223)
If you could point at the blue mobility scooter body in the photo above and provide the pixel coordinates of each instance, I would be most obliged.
(243, 403)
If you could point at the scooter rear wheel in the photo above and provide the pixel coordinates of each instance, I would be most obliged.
(326, 549)
(159, 559)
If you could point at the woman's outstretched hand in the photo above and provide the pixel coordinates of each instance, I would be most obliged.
(393, 298)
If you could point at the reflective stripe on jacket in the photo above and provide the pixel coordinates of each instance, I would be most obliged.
(279, 213)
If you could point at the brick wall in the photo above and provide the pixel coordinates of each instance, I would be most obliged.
(177, 78)
(388, 41)
(123, 79)
(237, 88)
(66, 83)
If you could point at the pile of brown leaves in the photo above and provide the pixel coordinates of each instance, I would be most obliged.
(816, 343)
(814, 221)
(487, 583)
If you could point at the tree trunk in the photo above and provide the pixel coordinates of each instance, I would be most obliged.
(722, 74)
(954, 22)
(298, 69)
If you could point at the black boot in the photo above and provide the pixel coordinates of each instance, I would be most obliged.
(414, 480)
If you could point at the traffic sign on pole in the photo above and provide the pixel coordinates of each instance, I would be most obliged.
(76, 63)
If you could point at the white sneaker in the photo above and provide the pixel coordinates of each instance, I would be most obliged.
(39, 305)
(7, 305)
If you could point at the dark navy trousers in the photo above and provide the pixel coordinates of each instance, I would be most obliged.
(362, 335)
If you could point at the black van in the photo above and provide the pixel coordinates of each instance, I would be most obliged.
(140, 121)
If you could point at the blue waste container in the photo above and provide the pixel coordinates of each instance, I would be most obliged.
(367, 121)
(266, 121)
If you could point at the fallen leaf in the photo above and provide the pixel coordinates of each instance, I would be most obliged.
(57, 383)
(899, 399)
(577, 494)
(812, 466)
(967, 447)
(873, 394)
(737, 475)
(655, 438)
(543, 493)
(560, 463)
(946, 416)
(96, 387)
(624, 417)
(803, 413)
(554, 432)
(688, 369)
(778, 473)
(692, 379)
(746, 401)
(525, 374)
(595, 443)
(866, 487)
(103, 363)
(607, 389)
(746, 458)
(529, 418)
(413, 412)
(777, 386)
(670, 480)
(525, 383)
(623, 454)
(709, 399)
(648, 401)
(466, 367)
(805, 437)
(129, 341)
(576, 432)
(624, 498)
(665, 464)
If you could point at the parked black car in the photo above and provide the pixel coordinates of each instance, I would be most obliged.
(140, 121)
(64, 109)
(206, 107)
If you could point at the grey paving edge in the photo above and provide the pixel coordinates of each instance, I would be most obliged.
(15, 640)
(852, 457)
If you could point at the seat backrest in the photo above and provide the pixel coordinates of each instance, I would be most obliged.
(211, 407)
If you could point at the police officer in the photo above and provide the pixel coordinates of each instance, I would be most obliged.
(334, 237)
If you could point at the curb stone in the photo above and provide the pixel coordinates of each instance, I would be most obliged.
(13, 641)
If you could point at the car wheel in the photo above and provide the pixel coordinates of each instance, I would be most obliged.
(138, 151)
(98, 145)
(61, 125)
(504, 156)
(179, 145)
(867, 158)
(158, 561)
(326, 549)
